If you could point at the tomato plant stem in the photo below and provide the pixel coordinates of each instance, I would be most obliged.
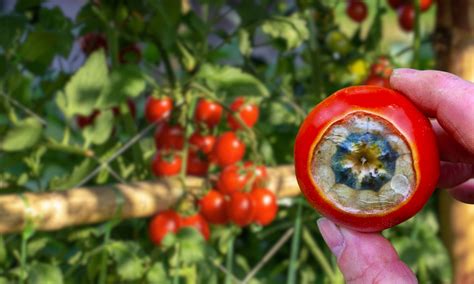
(229, 261)
(318, 254)
(416, 39)
(103, 262)
(295, 246)
(167, 63)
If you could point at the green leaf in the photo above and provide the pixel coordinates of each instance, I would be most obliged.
(187, 58)
(151, 53)
(157, 274)
(292, 30)
(85, 86)
(191, 246)
(126, 256)
(244, 42)
(3, 251)
(101, 129)
(22, 136)
(54, 19)
(12, 27)
(42, 273)
(231, 80)
(164, 23)
(79, 172)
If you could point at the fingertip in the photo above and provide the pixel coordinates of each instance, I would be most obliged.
(332, 235)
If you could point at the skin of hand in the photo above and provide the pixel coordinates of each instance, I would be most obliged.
(449, 102)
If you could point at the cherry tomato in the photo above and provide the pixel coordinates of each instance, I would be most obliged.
(203, 143)
(166, 164)
(92, 42)
(378, 81)
(198, 222)
(213, 207)
(231, 179)
(130, 54)
(356, 10)
(406, 17)
(425, 5)
(208, 112)
(247, 112)
(381, 67)
(395, 3)
(197, 164)
(240, 209)
(86, 120)
(338, 42)
(229, 149)
(161, 224)
(157, 109)
(169, 137)
(258, 173)
(366, 158)
(265, 204)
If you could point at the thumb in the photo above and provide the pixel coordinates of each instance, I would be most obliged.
(364, 257)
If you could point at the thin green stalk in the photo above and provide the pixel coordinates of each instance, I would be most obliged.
(166, 61)
(103, 261)
(318, 254)
(229, 261)
(131, 129)
(417, 37)
(24, 241)
(317, 79)
(176, 274)
(295, 246)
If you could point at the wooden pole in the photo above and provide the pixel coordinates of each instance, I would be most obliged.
(87, 205)
(454, 44)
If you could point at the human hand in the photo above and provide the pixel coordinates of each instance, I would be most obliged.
(449, 102)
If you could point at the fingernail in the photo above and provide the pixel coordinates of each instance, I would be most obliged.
(332, 235)
(400, 72)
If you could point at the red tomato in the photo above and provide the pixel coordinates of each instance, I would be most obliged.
(381, 67)
(92, 42)
(356, 10)
(246, 111)
(161, 224)
(258, 173)
(425, 5)
(240, 208)
(86, 120)
(378, 81)
(157, 109)
(197, 164)
(229, 149)
(203, 143)
(231, 179)
(166, 164)
(208, 112)
(366, 158)
(265, 204)
(169, 137)
(198, 222)
(406, 17)
(130, 54)
(213, 207)
(395, 3)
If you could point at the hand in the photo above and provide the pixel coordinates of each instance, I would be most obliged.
(449, 101)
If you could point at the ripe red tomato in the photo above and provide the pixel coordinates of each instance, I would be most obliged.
(198, 222)
(208, 112)
(246, 111)
(157, 109)
(166, 164)
(258, 173)
(130, 54)
(381, 67)
(229, 149)
(406, 17)
(213, 207)
(395, 3)
(240, 208)
(378, 81)
(197, 164)
(161, 224)
(425, 5)
(86, 120)
(366, 158)
(203, 143)
(265, 204)
(356, 10)
(92, 42)
(231, 179)
(169, 137)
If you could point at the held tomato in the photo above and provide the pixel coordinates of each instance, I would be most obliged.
(228, 149)
(366, 158)
(213, 207)
(203, 143)
(161, 224)
(247, 112)
(166, 164)
(406, 17)
(198, 222)
(240, 209)
(197, 164)
(169, 137)
(231, 179)
(356, 10)
(157, 109)
(265, 204)
(208, 112)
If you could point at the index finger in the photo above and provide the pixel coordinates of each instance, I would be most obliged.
(442, 95)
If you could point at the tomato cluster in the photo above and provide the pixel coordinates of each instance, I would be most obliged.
(214, 150)
(380, 72)
(406, 11)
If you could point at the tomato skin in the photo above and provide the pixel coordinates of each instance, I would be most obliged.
(396, 109)
(208, 112)
(378, 81)
(166, 164)
(196, 164)
(258, 172)
(213, 207)
(406, 17)
(161, 224)
(425, 5)
(229, 149)
(203, 143)
(158, 109)
(92, 42)
(356, 10)
(265, 204)
(198, 222)
(231, 179)
(247, 112)
(169, 137)
(395, 3)
(240, 208)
